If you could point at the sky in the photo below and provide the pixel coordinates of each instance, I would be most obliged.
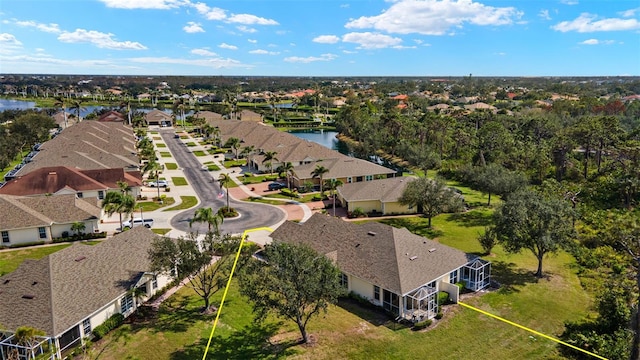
(321, 37)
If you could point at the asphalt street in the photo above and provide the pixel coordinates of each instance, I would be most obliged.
(207, 188)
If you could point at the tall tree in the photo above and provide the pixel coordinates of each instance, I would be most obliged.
(225, 180)
(295, 283)
(319, 173)
(153, 168)
(234, 144)
(269, 158)
(207, 215)
(117, 202)
(431, 196)
(61, 103)
(287, 169)
(495, 179)
(333, 184)
(529, 220)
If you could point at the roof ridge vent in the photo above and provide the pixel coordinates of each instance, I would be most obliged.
(413, 257)
(80, 258)
(372, 233)
(432, 250)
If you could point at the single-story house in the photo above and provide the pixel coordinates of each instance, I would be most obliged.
(111, 116)
(56, 180)
(69, 293)
(248, 115)
(157, 117)
(391, 267)
(380, 195)
(346, 169)
(208, 116)
(27, 219)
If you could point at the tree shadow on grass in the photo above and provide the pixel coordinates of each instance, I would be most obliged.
(176, 315)
(373, 314)
(511, 277)
(471, 218)
(416, 227)
(252, 342)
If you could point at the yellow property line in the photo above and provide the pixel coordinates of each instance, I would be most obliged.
(224, 295)
(532, 331)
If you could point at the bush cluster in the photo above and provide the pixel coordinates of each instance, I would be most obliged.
(82, 236)
(111, 323)
(422, 324)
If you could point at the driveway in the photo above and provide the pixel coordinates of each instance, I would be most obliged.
(207, 188)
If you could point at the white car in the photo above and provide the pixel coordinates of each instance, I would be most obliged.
(137, 222)
(160, 183)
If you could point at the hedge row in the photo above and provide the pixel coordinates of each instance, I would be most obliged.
(111, 323)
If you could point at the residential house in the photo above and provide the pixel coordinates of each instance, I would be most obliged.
(346, 169)
(248, 115)
(29, 219)
(59, 119)
(69, 293)
(57, 180)
(208, 116)
(378, 196)
(391, 267)
(111, 116)
(157, 117)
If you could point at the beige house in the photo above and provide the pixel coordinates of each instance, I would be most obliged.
(248, 115)
(157, 117)
(379, 196)
(391, 267)
(346, 169)
(43, 218)
(69, 293)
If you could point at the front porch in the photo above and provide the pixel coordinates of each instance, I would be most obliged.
(476, 274)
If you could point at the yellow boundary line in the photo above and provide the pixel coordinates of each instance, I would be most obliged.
(532, 331)
(226, 289)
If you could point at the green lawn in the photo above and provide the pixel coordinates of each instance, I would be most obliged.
(179, 181)
(165, 154)
(235, 163)
(199, 153)
(12, 164)
(171, 166)
(161, 145)
(160, 231)
(187, 202)
(191, 143)
(11, 259)
(257, 179)
(153, 205)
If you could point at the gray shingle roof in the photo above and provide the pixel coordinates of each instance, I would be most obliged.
(342, 167)
(384, 190)
(377, 253)
(69, 285)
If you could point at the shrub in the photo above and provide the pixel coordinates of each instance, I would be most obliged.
(111, 323)
(462, 285)
(358, 212)
(167, 189)
(33, 243)
(290, 193)
(422, 324)
(443, 297)
(228, 212)
(439, 315)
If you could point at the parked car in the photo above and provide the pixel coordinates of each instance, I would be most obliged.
(137, 222)
(277, 186)
(160, 183)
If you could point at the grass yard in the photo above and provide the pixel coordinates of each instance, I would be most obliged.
(187, 202)
(247, 179)
(235, 163)
(153, 205)
(213, 167)
(161, 145)
(171, 166)
(157, 138)
(179, 181)
(161, 231)
(191, 143)
(199, 153)
(165, 154)
(11, 259)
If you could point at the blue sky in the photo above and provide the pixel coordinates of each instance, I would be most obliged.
(321, 37)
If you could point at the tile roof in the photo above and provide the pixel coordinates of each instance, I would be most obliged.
(69, 285)
(394, 259)
(88, 145)
(24, 212)
(384, 190)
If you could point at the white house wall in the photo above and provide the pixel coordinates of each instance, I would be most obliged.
(362, 288)
(23, 236)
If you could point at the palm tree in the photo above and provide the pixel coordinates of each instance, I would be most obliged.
(287, 169)
(269, 157)
(179, 106)
(333, 184)
(77, 106)
(213, 220)
(234, 143)
(225, 180)
(78, 227)
(153, 168)
(123, 186)
(248, 151)
(117, 202)
(61, 103)
(319, 172)
(126, 104)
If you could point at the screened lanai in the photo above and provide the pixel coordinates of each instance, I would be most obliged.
(421, 304)
(476, 274)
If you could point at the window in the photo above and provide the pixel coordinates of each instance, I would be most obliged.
(127, 304)
(358, 178)
(376, 292)
(79, 195)
(154, 283)
(391, 302)
(5, 236)
(86, 327)
(42, 232)
(453, 277)
(101, 195)
(368, 178)
(349, 180)
(344, 280)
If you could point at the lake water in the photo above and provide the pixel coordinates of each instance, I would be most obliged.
(325, 138)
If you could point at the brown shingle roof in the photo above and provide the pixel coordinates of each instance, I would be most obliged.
(24, 212)
(377, 253)
(67, 290)
(342, 167)
(385, 190)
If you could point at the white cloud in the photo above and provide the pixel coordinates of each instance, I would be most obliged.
(216, 63)
(326, 39)
(227, 46)
(253, 41)
(203, 52)
(193, 27)
(569, 2)
(246, 29)
(50, 28)
(585, 23)
(349, 52)
(143, 4)
(629, 13)
(99, 39)
(263, 52)
(210, 13)
(369, 40)
(544, 14)
(9, 44)
(596, 42)
(309, 59)
(248, 19)
(434, 17)
(344, 6)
